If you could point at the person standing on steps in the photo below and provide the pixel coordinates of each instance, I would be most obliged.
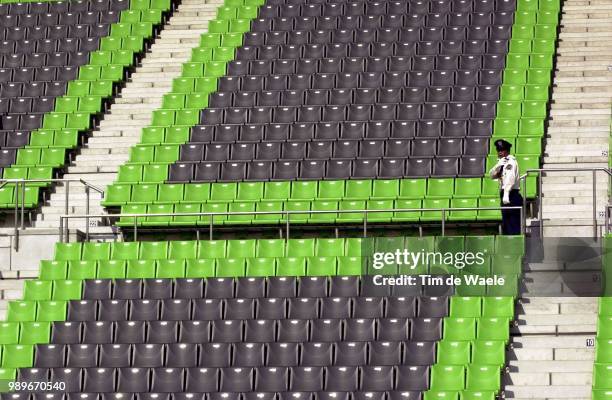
(507, 172)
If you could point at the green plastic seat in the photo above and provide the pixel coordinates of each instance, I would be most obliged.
(67, 251)
(35, 333)
(406, 204)
(250, 191)
(509, 109)
(465, 307)
(124, 250)
(437, 205)
(303, 190)
(231, 267)
(268, 248)
(385, 189)
(111, 269)
(53, 270)
(505, 127)
(413, 188)
(212, 249)
(467, 187)
(154, 173)
(488, 352)
(182, 249)
(268, 206)
(420, 244)
(67, 289)
(602, 376)
(200, 268)
(82, 269)
(522, 31)
(605, 306)
(512, 92)
(17, 356)
(37, 290)
(329, 247)
(291, 266)
(483, 377)
(153, 251)
(144, 194)
(482, 244)
(277, 191)
(349, 265)
(170, 193)
(140, 269)
(484, 215)
(358, 189)
(241, 248)
(451, 244)
(96, 250)
(325, 217)
(297, 207)
(240, 207)
(460, 329)
(129, 174)
(380, 206)
(603, 350)
(493, 328)
(49, 311)
(300, 247)
(510, 244)
(67, 138)
(441, 395)
(517, 61)
(469, 214)
(6, 196)
(260, 266)
(331, 190)
(19, 311)
(29, 157)
(9, 333)
(447, 377)
(453, 352)
(223, 192)
(321, 266)
(170, 269)
(161, 220)
(185, 219)
(196, 193)
(348, 205)
(498, 307)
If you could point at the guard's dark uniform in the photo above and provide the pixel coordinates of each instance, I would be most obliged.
(507, 172)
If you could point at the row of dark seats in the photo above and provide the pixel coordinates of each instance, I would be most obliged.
(332, 169)
(256, 330)
(371, 80)
(353, 112)
(363, 64)
(341, 130)
(55, 19)
(251, 287)
(371, 49)
(236, 380)
(67, 373)
(434, 96)
(28, 47)
(60, 7)
(184, 355)
(340, 149)
(56, 32)
(380, 8)
(166, 308)
(38, 60)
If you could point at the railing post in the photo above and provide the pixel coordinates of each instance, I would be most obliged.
(67, 194)
(522, 210)
(287, 224)
(365, 223)
(87, 212)
(17, 190)
(540, 204)
(210, 228)
(594, 204)
(443, 221)
(61, 229)
(136, 228)
(23, 190)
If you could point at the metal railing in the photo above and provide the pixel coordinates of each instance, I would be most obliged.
(284, 215)
(20, 188)
(539, 171)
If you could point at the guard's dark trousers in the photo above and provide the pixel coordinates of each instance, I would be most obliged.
(511, 219)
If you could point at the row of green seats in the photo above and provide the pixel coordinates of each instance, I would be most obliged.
(602, 371)
(357, 189)
(537, 5)
(266, 248)
(29, 332)
(84, 96)
(317, 211)
(498, 264)
(11, 195)
(464, 352)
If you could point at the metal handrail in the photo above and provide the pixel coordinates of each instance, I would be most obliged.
(523, 183)
(20, 184)
(63, 227)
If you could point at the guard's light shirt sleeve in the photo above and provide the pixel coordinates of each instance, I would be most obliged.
(510, 175)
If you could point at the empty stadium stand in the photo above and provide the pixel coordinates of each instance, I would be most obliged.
(59, 62)
(159, 317)
(400, 92)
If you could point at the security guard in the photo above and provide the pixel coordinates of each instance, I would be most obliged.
(507, 172)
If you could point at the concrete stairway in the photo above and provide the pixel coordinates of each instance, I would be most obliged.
(120, 129)
(579, 125)
(551, 352)
(549, 356)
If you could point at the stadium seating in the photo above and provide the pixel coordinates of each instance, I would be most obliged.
(255, 317)
(338, 92)
(59, 61)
